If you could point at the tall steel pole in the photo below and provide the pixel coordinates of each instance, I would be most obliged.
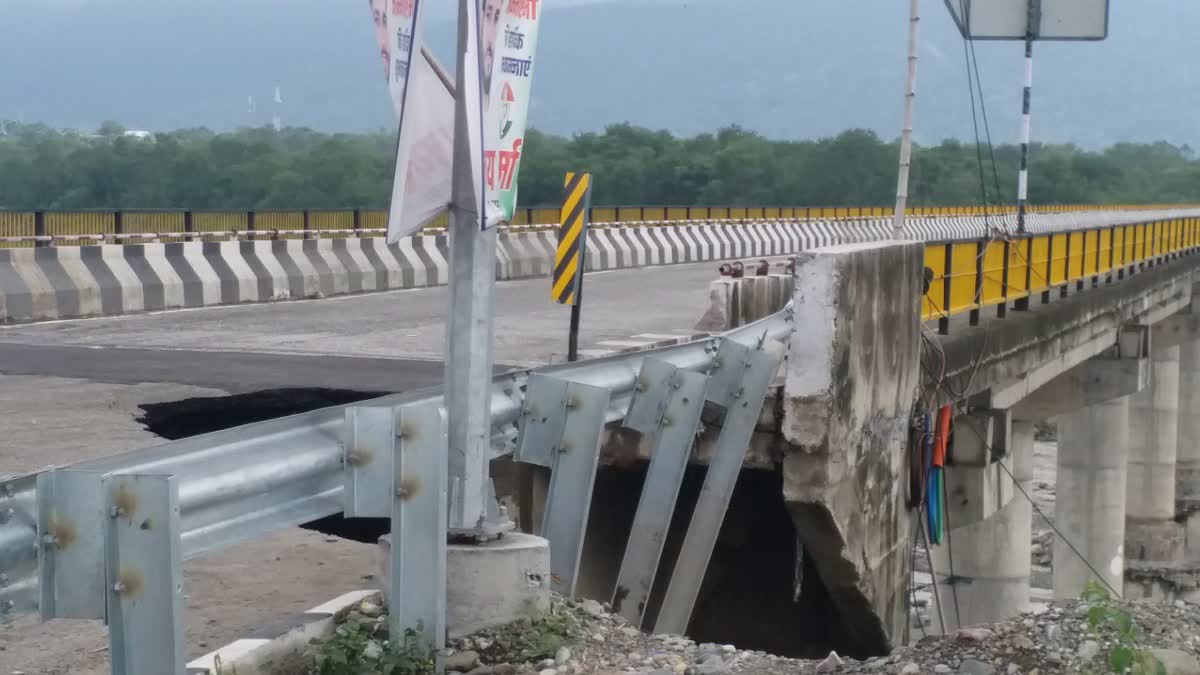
(910, 95)
(1033, 20)
(469, 326)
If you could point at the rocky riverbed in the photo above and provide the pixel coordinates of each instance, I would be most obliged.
(1057, 639)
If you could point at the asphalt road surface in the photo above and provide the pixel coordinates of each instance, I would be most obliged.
(378, 342)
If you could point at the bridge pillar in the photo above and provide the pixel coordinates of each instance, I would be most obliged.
(1151, 533)
(989, 578)
(1187, 469)
(1089, 508)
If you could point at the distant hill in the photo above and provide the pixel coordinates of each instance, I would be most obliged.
(786, 68)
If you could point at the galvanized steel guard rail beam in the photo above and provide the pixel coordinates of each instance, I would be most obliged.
(212, 491)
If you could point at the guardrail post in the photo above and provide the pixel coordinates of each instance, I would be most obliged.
(977, 293)
(307, 221)
(72, 514)
(1022, 304)
(39, 229)
(947, 282)
(419, 512)
(118, 223)
(1082, 262)
(1062, 291)
(1002, 308)
(250, 223)
(188, 225)
(740, 379)
(1049, 268)
(666, 407)
(144, 575)
(358, 223)
(561, 427)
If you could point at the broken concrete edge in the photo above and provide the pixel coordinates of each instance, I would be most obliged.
(849, 392)
(286, 638)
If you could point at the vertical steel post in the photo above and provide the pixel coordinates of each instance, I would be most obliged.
(910, 94)
(1031, 26)
(469, 323)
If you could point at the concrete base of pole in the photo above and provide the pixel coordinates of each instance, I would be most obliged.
(488, 585)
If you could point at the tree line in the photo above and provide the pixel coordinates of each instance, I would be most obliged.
(259, 168)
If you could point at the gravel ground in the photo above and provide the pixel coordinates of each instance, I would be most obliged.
(1056, 639)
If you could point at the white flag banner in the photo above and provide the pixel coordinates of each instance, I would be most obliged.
(424, 108)
(424, 152)
(395, 36)
(502, 36)
(510, 39)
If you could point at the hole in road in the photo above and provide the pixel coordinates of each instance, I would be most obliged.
(174, 420)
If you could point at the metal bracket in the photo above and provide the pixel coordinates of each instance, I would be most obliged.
(676, 398)
(369, 444)
(744, 376)
(144, 575)
(18, 564)
(728, 372)
(72, 518)
(543, 415)
(572, 478)
(651, 395)
(419, 512)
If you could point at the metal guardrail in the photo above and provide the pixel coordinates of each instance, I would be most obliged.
(967, 276)
(104, 539)
(46, 228)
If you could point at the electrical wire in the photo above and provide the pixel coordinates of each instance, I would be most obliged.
(987, 129)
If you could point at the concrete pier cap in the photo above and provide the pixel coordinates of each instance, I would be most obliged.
(488, 585)
(851, 380)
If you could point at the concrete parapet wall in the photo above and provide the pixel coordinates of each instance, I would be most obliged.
(72, 282)
(850, 386)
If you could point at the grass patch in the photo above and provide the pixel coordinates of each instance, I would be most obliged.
(529, 640)
(357, 649)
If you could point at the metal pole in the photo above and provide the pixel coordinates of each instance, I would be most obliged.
(910, 94)
(469, 324)
(1032, 21)
(573, 344)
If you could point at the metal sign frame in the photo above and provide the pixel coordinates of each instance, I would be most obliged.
(1008, 19)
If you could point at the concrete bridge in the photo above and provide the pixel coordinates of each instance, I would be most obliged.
(1094, 329)
(1085, 321)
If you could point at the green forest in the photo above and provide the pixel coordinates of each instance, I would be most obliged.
(45, 168)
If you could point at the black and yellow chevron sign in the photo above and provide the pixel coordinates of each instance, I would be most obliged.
(572, 239)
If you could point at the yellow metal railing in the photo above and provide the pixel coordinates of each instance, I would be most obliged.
(966, 276)
(19, 228)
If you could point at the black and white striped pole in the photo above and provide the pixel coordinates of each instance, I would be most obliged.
(1033, 20)
(910, 94)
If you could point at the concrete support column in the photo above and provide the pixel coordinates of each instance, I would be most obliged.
(1187, 469)
(989, 580)
(1089, 508)
(1151, 531)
